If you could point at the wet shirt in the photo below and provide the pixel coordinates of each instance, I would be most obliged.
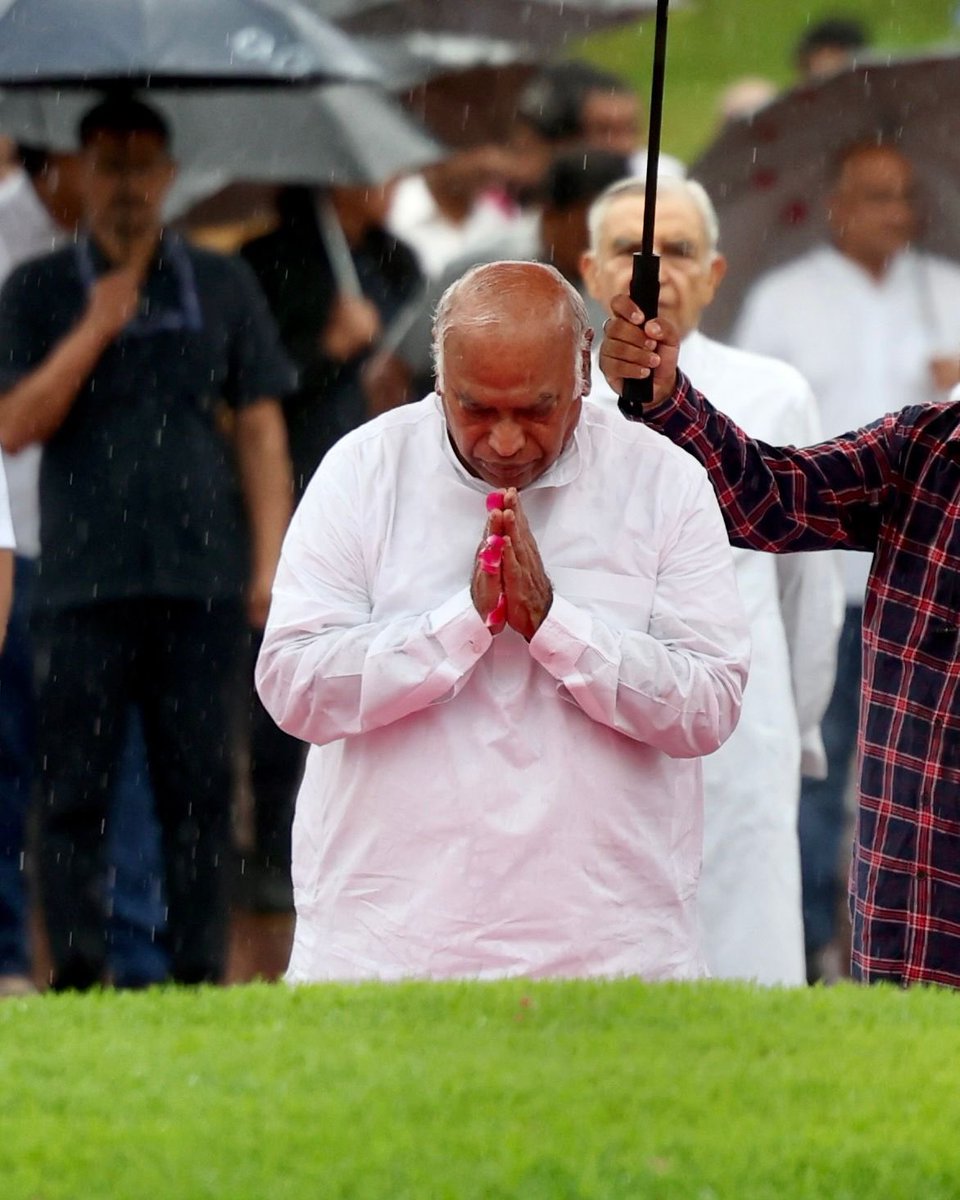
(891, 488)
(478, 806)
(139, 494)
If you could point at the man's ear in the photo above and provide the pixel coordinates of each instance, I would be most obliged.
(586, 361)
(588, 271)
(717, 271)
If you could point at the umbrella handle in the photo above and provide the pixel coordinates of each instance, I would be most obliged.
(337, 248)
(644, 292)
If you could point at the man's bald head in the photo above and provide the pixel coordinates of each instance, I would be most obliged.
(515, 295)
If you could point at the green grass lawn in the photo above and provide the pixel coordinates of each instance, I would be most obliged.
(713, 42)
(553, 1091)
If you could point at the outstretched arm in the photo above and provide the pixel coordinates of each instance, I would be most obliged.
(775, 498)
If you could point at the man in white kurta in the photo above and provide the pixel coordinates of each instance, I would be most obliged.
(893, 316)
(750, 894)
(505, 774)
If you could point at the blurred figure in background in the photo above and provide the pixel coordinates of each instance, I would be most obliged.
(829, 46)
(894, 320)
(574, 103)
(402, 370)
(327, 328)
(453, 205)
(8, 157)
(750, 897)
(40, 207)
(162, 516)
(744, 97)
(7, 544)
(329, 333)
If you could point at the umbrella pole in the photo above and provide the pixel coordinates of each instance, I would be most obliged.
(337, 248)
(645, 284)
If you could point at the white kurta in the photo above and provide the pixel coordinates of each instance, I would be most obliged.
(750, 896)
(476, 806)
(865, 347)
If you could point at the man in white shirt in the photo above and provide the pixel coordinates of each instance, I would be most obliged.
(894, 320)
(505, 776)
(750, 898)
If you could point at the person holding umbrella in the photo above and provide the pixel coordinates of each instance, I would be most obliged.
(895, 313)
(149, 371)
(330, 318)
(891, 488)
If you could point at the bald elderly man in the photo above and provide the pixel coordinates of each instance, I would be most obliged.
(509, 626)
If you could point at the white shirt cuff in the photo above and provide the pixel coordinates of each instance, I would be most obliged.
(560, 641)
(459, 629)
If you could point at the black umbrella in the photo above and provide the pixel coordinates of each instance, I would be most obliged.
(536, 23)
(90, 43)
(344, 134)
(645, 284)
(417, 40)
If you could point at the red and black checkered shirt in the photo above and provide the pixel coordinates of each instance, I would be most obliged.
(892, 488)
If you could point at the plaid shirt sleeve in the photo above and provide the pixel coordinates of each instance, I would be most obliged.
(892, 487)
(782, 498)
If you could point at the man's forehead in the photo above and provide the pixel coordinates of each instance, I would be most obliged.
(677, 216)
(528, 327)
(109, 143)
(873, 161)
(513, 310)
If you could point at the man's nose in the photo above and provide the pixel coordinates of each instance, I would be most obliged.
(506, 438)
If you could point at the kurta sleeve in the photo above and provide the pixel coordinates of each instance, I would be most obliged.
(328, 668)
(676, 686)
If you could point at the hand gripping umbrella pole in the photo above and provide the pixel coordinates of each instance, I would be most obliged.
(645, 284)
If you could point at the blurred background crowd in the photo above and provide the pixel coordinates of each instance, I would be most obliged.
(352, 207)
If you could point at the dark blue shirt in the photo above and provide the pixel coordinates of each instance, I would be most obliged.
(139, 492)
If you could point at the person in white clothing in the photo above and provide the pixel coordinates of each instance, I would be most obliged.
(509, 625)
(750, 896)
(894, 321)
(453, 206)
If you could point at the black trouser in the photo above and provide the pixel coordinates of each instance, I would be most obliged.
(178, 661)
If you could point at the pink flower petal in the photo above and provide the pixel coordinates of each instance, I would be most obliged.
(491, 554)
(494, 501)
(498, 614)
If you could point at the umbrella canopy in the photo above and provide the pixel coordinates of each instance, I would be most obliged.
(173, 42)
(769, 176)
(541, 23)
(342, 133)
(416, 40)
